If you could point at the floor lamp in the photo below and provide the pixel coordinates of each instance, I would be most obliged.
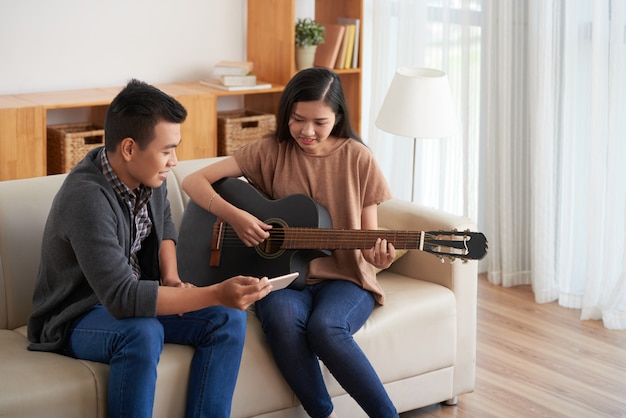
(418, 104)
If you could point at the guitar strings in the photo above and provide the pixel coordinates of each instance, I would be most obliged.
(297, 237)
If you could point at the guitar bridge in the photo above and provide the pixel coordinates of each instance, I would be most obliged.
(217, 239)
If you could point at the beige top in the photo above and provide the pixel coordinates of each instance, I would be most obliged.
(344, 181)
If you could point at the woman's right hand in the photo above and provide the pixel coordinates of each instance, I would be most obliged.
(250, 230)
(198, 185)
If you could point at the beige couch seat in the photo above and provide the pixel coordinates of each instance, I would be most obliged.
(422, 341)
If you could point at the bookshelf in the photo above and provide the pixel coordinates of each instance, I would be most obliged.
(271, 46)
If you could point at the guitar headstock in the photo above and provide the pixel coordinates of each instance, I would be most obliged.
(465, 245)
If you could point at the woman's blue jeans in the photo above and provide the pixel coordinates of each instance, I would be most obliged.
(132, 348)
(319, 321)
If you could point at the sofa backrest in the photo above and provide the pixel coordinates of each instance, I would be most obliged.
(24, 206)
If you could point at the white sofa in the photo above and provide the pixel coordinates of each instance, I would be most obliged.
(422, 341)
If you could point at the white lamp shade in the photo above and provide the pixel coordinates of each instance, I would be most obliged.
(418, 105)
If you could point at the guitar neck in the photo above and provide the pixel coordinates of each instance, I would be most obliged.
(345, 239)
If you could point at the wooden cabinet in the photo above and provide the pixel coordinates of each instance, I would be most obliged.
(23, 121)
(271, 46)
(22, 139)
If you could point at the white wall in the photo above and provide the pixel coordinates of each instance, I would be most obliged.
(72, 44)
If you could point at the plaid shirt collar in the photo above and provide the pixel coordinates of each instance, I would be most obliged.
(135, 202)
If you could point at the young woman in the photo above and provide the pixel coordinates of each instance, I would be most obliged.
(314, 151)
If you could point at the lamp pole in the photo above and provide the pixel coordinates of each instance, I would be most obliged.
(413, 170)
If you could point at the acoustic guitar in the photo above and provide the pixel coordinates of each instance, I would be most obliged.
(209, 250)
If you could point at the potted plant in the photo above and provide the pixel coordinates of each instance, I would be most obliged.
(309, 34)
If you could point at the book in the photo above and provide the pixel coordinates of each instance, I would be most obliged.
(238, 80)
(232, 68)
(341, 56)
(217, 84)
(357, 24)
(326, 53)
(351, 28)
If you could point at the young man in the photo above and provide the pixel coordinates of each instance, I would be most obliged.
(108, 288)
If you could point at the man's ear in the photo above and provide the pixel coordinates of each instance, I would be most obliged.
(127, 148)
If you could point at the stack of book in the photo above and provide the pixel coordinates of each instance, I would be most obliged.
(234, 75)
(340, 49)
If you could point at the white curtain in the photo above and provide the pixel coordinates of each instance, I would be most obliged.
(556, 140)
(541, 89)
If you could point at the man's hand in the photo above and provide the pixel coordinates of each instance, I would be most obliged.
(239, 292)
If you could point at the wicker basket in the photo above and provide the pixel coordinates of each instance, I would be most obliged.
(68, 144)
(237, 128)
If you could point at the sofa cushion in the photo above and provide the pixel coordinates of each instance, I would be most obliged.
(65, 387)
(417, 321)
(260, 386)
(44, 384)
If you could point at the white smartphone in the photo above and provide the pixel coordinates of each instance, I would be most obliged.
(281, 282)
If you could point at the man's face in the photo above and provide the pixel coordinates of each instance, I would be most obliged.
(150, 166)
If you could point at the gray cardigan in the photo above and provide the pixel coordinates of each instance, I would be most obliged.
(85, 256)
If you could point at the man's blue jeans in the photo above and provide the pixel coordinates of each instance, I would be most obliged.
(132, 348)
(319, 321)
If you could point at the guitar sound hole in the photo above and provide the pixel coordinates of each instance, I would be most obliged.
(271, 247)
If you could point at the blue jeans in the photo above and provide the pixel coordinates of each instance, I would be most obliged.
(318, 322)
(132, 348)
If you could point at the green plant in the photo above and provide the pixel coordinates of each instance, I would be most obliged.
(309, 32)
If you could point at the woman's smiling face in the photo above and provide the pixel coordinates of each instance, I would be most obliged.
(310, 124)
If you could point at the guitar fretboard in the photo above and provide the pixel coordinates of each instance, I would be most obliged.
(344, 239)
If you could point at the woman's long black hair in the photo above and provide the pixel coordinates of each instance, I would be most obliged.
(314, 84)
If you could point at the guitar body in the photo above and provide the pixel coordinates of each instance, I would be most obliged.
(195, 238)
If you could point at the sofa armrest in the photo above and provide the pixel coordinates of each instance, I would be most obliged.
(459, 276)
(397, 214)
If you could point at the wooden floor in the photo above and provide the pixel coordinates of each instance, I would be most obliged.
(539, 361)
